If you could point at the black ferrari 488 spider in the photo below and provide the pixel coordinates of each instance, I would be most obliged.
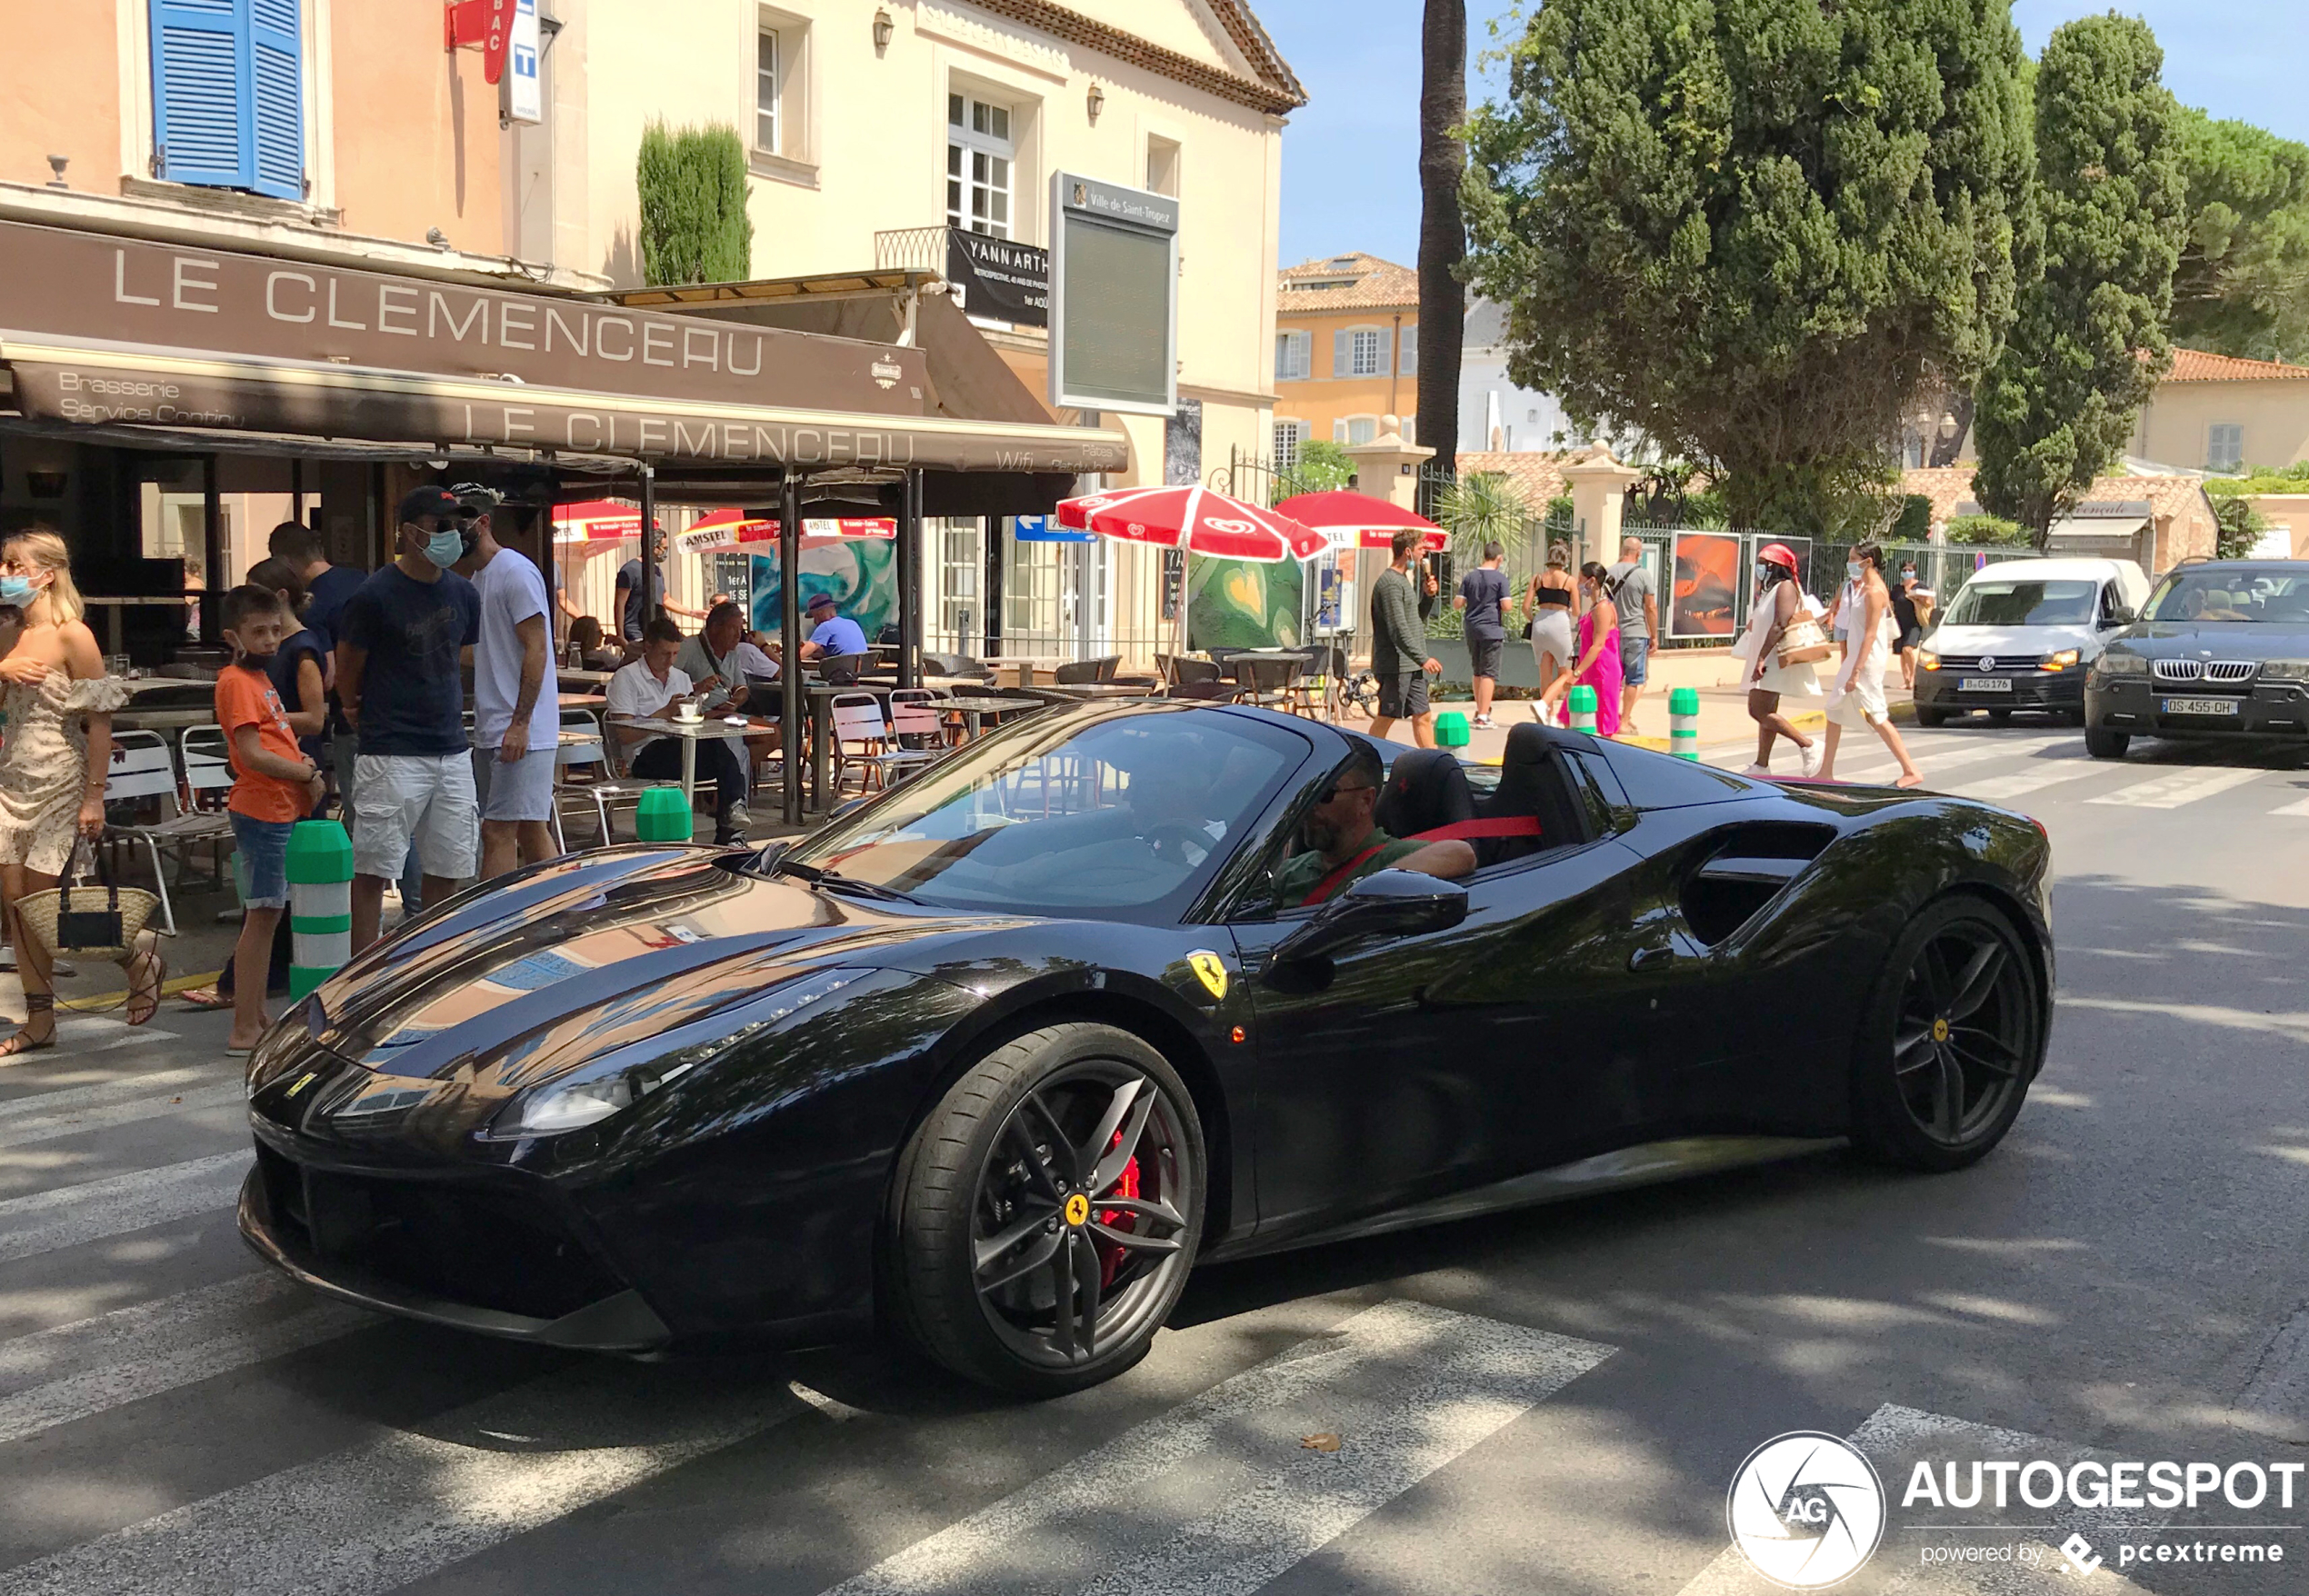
(994, 1060)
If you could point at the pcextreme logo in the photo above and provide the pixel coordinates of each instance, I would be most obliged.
(1805, 1510)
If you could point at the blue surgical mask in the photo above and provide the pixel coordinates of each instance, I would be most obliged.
(445, 547)
(16, 590)
(1851, 570)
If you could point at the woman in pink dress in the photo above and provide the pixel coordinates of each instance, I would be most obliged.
(1598, 661)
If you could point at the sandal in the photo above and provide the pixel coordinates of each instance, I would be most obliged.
(206, 997)
(146, 971)
(36, 1005)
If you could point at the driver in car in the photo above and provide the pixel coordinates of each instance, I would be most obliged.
(1345, 844)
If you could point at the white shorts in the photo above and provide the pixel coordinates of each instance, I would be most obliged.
(423, 800)
(523, 790)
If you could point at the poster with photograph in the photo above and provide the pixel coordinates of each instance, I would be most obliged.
(1704, 599)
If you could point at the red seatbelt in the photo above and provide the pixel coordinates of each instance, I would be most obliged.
(1330, 883)
(1505, 825)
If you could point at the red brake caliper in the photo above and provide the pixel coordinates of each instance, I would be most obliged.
(1112, 1253)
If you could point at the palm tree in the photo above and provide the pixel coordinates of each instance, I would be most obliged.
(1443, 234)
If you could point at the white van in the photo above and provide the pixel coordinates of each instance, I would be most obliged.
(2022, 635)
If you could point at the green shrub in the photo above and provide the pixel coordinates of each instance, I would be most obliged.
(693, 186)
(1992, 531)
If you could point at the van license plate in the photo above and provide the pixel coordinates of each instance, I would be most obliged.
(1983, 685)
(2198, 706)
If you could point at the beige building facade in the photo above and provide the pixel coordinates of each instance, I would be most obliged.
(2217, 413)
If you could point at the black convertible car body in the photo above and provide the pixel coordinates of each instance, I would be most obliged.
(994, 1061)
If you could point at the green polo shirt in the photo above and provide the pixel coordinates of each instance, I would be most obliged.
(1303, 873)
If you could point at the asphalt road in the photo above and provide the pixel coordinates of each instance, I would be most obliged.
(1554, 1401)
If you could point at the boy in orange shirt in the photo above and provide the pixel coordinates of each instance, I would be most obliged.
(274, 787)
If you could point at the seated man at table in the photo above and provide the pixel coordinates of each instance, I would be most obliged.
(1344, 843)
(648, 689)
(719, 662)
(835, 635)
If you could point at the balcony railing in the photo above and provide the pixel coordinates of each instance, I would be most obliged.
(911, 249)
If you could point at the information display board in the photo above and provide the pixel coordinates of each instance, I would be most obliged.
(1113, 297)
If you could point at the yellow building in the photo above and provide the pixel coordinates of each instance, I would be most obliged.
(2217, 413)
(1347, 351)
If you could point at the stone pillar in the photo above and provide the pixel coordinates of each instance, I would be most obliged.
(1599, 487)
(1387, 468)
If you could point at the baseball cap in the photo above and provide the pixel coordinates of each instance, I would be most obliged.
(431, 499)
(819, 601)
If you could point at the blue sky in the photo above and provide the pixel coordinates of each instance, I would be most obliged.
(1350, 159)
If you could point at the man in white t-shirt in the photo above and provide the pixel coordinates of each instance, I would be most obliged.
(648, 689)
(517, 701)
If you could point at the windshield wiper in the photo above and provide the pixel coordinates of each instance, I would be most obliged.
(836, 880)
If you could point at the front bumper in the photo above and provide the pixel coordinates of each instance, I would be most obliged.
(445, 1253)
(2031, 689)
(2136, 704)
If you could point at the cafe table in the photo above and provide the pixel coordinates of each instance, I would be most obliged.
(1088, 691)
(691, 733)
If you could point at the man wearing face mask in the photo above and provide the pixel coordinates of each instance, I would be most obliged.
(399, 648)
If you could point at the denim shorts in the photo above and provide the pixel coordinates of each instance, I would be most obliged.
(259, 860)
(1635, 659)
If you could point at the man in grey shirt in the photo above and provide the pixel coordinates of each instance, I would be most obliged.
(1629, 586)
(1399, 643)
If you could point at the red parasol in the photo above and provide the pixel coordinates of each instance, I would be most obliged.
(596, 521)
(728, 528)
(1194, 519)
(1358, 519)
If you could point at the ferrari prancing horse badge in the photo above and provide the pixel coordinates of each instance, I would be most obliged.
(1211, 969)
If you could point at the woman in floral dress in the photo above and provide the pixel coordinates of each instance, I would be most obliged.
(57, 750)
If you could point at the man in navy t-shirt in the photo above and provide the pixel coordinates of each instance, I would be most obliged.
(627, 594)
(400, 645)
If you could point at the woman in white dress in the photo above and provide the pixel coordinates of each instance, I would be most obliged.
(1779, 601)
(1857, 699)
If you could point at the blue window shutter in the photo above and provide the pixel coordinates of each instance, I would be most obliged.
(200, 100)
(278, 98)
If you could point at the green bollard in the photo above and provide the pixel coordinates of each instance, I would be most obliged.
(1451, 729)
(1684, 723)
(1584, 710)
(320, 874)
(662, 816)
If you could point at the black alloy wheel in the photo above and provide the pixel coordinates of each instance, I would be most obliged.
(1956, 1035)
(1049, 1211)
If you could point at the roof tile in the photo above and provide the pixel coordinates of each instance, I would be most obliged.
(2199, 365)
(1378, 285)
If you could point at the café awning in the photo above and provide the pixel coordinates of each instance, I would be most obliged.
(114, 332)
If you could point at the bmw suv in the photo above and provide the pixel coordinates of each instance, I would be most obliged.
(2222, 650)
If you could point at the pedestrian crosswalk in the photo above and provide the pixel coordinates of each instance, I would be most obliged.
(2034, 772)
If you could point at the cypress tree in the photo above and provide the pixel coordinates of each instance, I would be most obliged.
(2091, 337)
(693, 184)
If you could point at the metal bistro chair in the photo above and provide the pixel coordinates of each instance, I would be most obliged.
(841, 670)
(583, 775)
(855, 720)
(613, 786)
(1265, 679)
(1077, 672)
(1184, 669)
(208, 766)
(143, 768)
(917, 730)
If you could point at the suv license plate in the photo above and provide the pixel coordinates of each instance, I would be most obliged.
(2198, 706)
(1983, 685)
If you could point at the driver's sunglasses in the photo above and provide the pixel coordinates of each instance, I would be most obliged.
(1335, 788)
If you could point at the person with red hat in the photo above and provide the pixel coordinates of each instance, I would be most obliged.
(1780, 601)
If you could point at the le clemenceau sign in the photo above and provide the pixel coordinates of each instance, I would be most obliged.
(100, 330)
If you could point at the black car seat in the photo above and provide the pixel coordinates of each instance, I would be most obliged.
(1425, 790)
(1534, 781)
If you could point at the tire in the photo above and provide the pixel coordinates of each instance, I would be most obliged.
(2000, 717)
(965, 1179)
(1930, 716)
(2102, 743)
(1936, 1083)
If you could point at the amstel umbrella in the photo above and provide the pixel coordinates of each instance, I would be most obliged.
(728, 528)
(596, 521)
(1194, 519)
(1358, 520)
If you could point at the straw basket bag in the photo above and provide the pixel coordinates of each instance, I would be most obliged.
(83, 921)
(1805, 641)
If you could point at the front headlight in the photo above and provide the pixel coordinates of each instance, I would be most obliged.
(2113, 663)
(2060, 661)
(1928, 659)
(2285, 669)
(595, 1090)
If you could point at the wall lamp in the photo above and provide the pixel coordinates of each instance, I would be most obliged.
(1097, 101)
(882, 28)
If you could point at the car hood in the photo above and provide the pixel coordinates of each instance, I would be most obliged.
(2017, 641)
(2219, 640)
(597, 953)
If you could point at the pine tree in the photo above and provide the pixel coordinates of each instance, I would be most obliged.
(1442, 229)
(693, 184)
(2092, 338)
(1756, 231)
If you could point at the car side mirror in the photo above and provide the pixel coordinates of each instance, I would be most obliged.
(1390, 903)
(2119, 616)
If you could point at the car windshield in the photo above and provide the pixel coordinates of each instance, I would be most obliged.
(1096, 814)
(1995, 600)
(2232, 593)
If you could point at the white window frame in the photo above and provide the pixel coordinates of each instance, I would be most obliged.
(970, 171)
(1290, 435)
(1293, 354)
(769, 91)
(1343, 428)
(1366, 349)
(1166, 163)
(2220, 433)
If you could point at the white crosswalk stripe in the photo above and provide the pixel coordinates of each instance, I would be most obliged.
(1218, 1496)
(113, 1090)
(2180, 788)
(75, 1370)
(27, 1129)
(2301, 808)
(375, 1517)
(2044, 773)
(68, 1216)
